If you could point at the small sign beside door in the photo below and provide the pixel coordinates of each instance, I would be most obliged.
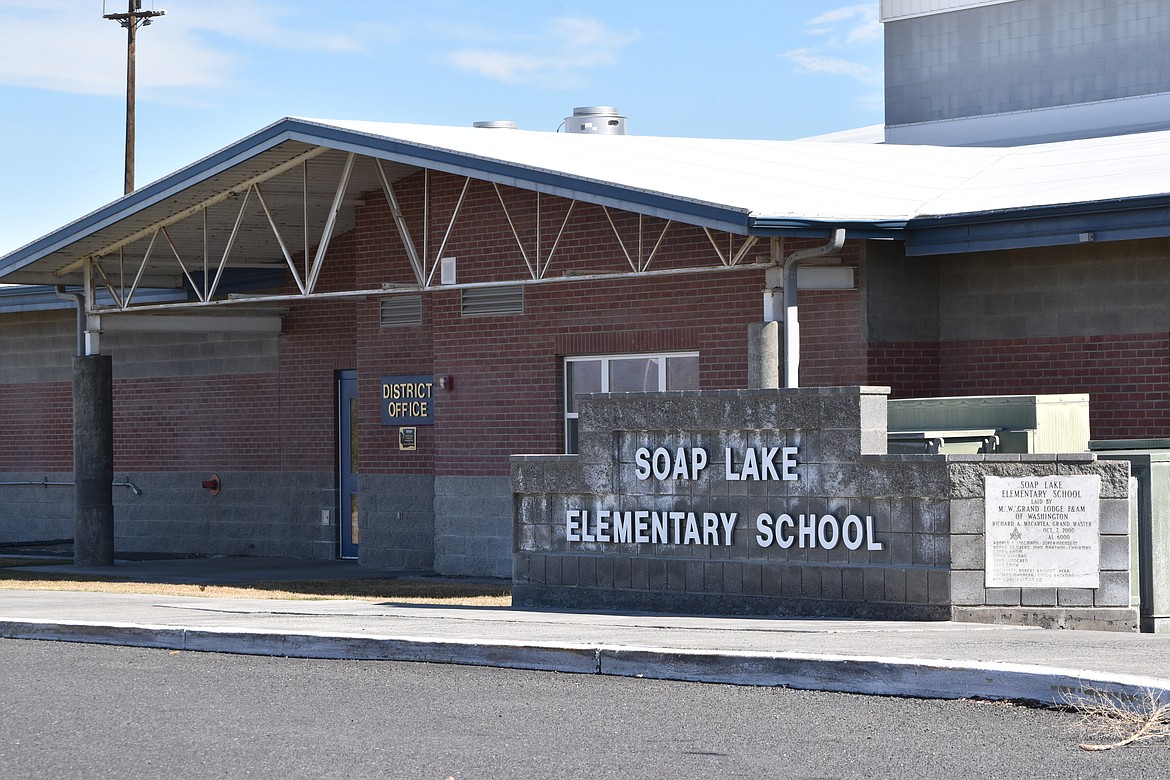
(408, 438)
(408, 400)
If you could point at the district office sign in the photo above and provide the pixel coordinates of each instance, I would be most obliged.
(408, 400)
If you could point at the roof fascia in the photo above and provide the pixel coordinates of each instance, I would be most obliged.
(809, 228)
(1039, 227)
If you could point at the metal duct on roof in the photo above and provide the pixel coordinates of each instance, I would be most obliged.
(596, 120)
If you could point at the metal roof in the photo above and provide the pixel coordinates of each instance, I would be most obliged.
(743, 186)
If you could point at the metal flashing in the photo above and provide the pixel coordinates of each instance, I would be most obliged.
(1121, 220)
(39, 297)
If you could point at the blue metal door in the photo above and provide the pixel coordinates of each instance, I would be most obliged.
(347, 467)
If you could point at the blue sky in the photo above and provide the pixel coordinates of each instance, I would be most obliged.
(213, 71)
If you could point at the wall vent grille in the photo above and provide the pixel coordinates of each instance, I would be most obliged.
(400, 311)
(487, 301)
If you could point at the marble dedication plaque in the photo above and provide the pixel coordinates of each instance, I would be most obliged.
(1042, 532)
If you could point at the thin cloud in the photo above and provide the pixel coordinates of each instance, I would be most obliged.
(58, 45)
(555, 58)
(849, 25)
(265, 23)
(812, 61)
(863, 11)
(840, 35)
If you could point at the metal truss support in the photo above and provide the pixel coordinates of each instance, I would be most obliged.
(126, 280)
(533, 272)
(400, 222)
(642, 263)
(447, 235)
(190, 211)
(227, 250)
(552, 250)
(412, 290)
(330, 223)
(732, 258)
(292, 266)
(182, 265)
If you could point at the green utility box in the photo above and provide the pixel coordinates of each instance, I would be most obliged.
(989, 424)
(1149, 463)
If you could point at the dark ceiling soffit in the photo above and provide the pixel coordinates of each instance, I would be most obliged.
(149, 195)
(1116, 220)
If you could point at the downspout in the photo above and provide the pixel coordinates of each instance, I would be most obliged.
(791, 315)
(79, 300)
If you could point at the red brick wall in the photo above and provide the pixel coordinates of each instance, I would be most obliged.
(218, 422)
(832, 345)
(397, 351)
(36, 427)
(507, 369)
(909, 368)
(1126, 375)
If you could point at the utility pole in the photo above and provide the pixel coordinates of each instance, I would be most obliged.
(134, 18)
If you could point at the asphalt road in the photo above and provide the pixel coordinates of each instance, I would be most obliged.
(74, 711)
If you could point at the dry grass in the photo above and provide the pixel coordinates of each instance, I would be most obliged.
(392, 590)
(1114, 720)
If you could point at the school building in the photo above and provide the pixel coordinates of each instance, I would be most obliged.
(329, 338)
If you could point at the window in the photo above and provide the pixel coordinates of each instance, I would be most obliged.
(624, 374)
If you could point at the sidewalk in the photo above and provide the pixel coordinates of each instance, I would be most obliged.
(922, 659)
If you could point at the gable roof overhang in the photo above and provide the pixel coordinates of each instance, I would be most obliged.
(57, 258)
(939, 200)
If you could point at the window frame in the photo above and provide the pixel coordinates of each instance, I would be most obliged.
(566, 401)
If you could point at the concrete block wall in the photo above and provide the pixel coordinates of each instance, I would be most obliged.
(927, 514)
(35, 513)
(839, 433)
(450, 525)
(397, 521)
(1021, 56)
(256, 513)
(473, 526)
(1107, 607)
(38, 347)
(138, 355)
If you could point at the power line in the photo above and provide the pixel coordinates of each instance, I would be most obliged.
(134, 18)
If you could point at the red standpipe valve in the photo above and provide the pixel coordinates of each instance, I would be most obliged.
(213, 485)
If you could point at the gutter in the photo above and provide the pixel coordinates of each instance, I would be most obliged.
(791, 309)
(79, 301)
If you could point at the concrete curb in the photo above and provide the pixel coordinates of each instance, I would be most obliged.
(918, 678)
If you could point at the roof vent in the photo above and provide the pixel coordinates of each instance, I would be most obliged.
(496, 124)
(596, 120)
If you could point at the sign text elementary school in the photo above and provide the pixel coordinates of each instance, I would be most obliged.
(806, 530)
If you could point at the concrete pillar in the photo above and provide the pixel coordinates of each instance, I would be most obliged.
(763, 355)
(93, 460)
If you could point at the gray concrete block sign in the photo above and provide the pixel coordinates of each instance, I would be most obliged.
(785, 502)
